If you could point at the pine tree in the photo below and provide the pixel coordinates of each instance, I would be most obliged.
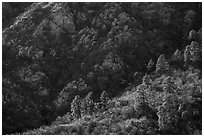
(194, 51)
(187, 55)
(141, 105)
(137, 78)
(177, 59)
(177, 55)
(192, 54)
(75, 107)
(150, 65)
(168, 114)
(146, 79)
(83, 108)
(87, 104)
(90, 103)
(192, 35)
(104, 100)
(162, 65)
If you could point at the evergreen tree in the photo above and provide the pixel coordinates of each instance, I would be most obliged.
(187, 56)
(141, 105)
(104, 100)
(168, 115)
(89, 103)
(192, 35)
(193, 55)
(150, 65)
(137, 76)
(195, 51)
(75, 107)
(146, 79)
(83, 108)
(162, 65)
(177, 59)
(177, 55)
(109, 42)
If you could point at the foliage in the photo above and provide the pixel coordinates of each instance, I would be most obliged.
(87, 105)
(104, 100)
(75, 107)
(54, 52)
(68, 93)
(169, 86)
(168, 115)
(146, 80)
(150, 65)
(162, 65)
(141, 105)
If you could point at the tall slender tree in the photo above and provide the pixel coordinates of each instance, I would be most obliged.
(75, 107)
(162, 65)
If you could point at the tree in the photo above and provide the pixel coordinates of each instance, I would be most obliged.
(104, 100)
(75, 107)
(67, 94)
(83, 108)
(162, 65)
(196, 53)
(193, 54)
(169, 85)
(141, 104)
(168, 115)
(90, 103)
(177, 55)
(64, 41)
(137, 77)
(192, 35)
(150, 65)
(87, 105)
(176, 59)
(146, 79)
(187, 56)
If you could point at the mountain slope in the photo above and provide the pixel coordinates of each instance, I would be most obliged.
(57, 55)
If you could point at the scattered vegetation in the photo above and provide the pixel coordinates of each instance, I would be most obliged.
(102, 68)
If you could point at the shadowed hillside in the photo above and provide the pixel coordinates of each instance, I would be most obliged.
(102, 68)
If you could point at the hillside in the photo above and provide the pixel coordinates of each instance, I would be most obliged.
(102, 68)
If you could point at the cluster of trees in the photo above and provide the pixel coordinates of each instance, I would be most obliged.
(166, 102)
(57, 56)
(87, 105)
(169, 103)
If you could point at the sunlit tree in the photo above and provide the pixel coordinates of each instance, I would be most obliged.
(104, 100)
(168, 115)
(162, 65)
(150, 65)
(75, 107)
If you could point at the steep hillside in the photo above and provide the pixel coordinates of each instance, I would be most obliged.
(162, 105)
(103, 68)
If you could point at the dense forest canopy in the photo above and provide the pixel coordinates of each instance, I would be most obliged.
(102, 68)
